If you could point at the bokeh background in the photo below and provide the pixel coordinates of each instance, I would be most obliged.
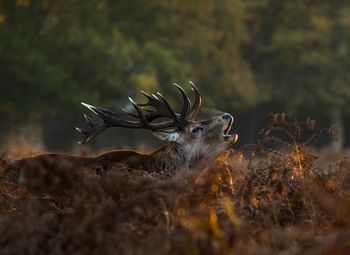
(248, 57)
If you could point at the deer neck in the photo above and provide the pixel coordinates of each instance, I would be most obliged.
(169, 158)
(195, 154)
(175, 157)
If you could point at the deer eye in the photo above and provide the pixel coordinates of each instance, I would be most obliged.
(196, 129)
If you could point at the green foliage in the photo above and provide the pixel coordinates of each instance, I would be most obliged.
(300, 52)
(55, 60)
(291, 55)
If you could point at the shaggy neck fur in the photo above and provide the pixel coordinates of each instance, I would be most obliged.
(174, 157)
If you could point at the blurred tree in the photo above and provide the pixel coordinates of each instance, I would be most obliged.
(299, 52)
(247, 57)
(205, 34)
(54, 55)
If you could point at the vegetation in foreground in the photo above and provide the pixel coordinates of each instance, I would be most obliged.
(272, 200)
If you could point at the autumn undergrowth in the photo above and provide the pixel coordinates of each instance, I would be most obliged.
(266, 198)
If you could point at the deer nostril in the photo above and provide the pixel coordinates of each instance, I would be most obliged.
(227, 116)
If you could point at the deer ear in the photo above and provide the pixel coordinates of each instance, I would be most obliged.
(173, 136)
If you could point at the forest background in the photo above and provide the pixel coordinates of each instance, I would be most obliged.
(248, 57)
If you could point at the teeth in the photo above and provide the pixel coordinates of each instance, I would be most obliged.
(233, 138)
(227, 129)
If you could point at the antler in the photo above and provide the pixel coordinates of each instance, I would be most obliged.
(145, 116)
(197, 103)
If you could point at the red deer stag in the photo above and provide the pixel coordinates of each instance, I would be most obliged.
(190, 141)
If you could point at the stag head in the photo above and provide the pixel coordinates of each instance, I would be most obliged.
(198, 138)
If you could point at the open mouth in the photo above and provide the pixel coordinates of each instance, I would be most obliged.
(227, 129)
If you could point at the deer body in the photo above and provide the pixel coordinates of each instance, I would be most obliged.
(190, 142)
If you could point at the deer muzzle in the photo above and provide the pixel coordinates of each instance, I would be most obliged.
(227, 128)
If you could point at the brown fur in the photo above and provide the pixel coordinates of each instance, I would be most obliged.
(185, 152)
(164, 159)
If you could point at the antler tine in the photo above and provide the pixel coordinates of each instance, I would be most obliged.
(186, 103)
(161, 105)
(149, 98)
(145, 116)
(91, 132)
(88, 120)
(142, 116)
(171, 111)
(109, 119)
(162, 108)
(138, 109)
(197, 103)
(145, 120)
(93, 125)
(130, 113)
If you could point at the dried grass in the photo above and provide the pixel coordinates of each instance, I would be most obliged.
(272, 201)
